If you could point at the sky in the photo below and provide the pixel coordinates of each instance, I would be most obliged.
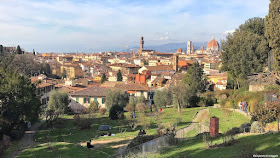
(104, 25)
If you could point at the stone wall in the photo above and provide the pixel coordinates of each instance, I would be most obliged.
(256, 87)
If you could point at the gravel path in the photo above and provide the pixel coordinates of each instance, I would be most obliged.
(27, 141)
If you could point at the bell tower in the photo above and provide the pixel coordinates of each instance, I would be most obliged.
(142, 43)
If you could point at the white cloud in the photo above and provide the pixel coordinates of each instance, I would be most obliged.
(60, 25)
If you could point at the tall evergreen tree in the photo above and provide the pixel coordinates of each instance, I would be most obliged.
(19, 100)
(245, 51)
(194, 79)
(1, 49)
(104, 78)
(272, 31)
(18, 51)
(64, 73)
(119, 76)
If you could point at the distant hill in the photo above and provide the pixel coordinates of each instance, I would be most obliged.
(173, 47)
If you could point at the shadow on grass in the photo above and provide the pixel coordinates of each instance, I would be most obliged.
(246, 146)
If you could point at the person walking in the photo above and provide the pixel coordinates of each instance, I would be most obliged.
(240, 105)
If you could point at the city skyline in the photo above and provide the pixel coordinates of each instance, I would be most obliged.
(92, 26)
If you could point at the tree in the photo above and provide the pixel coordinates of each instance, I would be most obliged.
(18, 51)
(194, 79)
(163, 98)
(119, 76)
(19, 100)
(135, 100)
(245, 51)
(104, 78)
(25, 64)
(116, 97)
(1, 49)
(58, 102)
(45, 68)
(64, 73)
(272, 26)
(116, 112)
(181, 95)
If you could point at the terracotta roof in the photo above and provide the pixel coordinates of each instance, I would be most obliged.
(160, 68)
(94, 91)
(125, 86)
(44, 84)
(213, 44)
(179, 50)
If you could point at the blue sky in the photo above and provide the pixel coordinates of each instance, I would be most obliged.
(103, 25)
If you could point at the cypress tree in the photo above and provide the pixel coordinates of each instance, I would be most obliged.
(272, 31)
(18, 51)
(119, 76)
(104, 78)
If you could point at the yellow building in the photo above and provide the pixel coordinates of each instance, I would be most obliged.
(72, 70)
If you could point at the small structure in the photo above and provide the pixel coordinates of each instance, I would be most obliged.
(214, 126)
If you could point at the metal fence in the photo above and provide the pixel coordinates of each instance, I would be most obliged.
(141, 150)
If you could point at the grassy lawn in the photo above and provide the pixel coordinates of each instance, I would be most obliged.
(250, 144)
(247, 144)
(66, 137)
(228, 119)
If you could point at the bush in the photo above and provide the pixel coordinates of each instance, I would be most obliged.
(222, 102)
(246, 127)
(82, 123)
(116, 112)
(129, 108)
(141, 107)
(93, 107)
(140, 140)
(256, 127)
(233, 131)
(102, 111)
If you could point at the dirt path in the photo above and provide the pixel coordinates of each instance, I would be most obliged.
(27, 141)
(200, 117)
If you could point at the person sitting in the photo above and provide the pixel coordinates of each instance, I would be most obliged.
(109, 133)
(89, 146)
(143, 132)
(140, 133)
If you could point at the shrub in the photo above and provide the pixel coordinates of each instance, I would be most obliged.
(102, 111)
(256, 127)
(140, 139)
(246, 127)
(233, 131)
(129, 108)
(116, 112)
(141, 107)
(222, 102)
(93, 107)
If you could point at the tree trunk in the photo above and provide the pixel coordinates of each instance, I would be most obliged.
(278, 123)
(179, 107)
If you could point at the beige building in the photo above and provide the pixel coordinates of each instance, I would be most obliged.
(81, 100)
(72, 70)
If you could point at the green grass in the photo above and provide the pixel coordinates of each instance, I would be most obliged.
(251, 144)
(66, 137)
(228, 119)
(195, 147)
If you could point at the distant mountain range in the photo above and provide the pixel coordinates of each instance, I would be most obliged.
(172, 47)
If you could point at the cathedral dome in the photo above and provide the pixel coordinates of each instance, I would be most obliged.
(179, 50)
(213, 45)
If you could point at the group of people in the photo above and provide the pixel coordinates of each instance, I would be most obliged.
(243, 105)
(142, 132)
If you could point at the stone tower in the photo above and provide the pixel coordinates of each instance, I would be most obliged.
(142, 43)
(192, 49)
(175, 62)
(189, 47)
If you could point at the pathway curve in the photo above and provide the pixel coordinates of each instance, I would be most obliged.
(200, 117)
(27, 140)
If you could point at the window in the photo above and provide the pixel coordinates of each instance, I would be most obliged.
(86, 100)
(77, 99)
(103, 100)
(95, 99)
